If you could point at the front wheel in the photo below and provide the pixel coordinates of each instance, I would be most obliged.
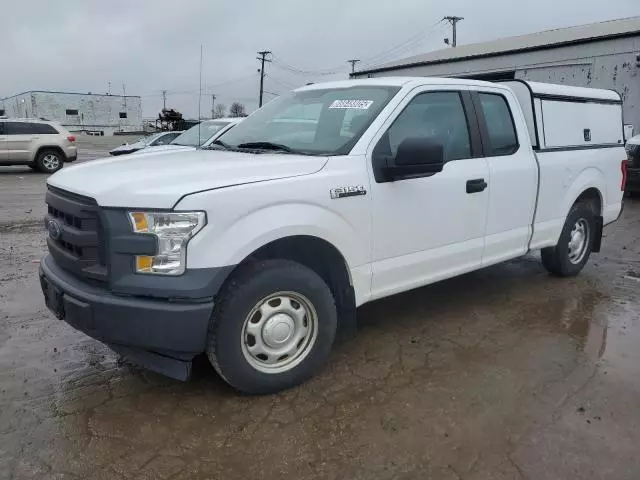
(272, 328)
(571, 253)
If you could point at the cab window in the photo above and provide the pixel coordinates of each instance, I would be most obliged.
(438, 116)
(500, 128)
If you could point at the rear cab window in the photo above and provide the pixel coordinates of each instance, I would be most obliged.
(501, 130)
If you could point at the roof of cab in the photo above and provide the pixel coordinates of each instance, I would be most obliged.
(395, 82)
(412, 82)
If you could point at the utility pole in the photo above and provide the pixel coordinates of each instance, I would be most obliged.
(263, 58)
(453, 20)
(353, 65)
(109, 88)
(164, 99)
(213, 101)
(124, 96)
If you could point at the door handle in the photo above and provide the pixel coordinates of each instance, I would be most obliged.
(476, 185)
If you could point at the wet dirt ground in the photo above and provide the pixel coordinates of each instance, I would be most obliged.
(505, 373)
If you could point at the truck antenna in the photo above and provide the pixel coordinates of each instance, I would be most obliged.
(200, 97)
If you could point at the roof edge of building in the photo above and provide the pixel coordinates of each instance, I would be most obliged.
(532, 48)
(71, 93)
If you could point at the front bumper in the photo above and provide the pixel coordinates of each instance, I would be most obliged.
(161, 335)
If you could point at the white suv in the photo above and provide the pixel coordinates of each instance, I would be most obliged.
(40, 144)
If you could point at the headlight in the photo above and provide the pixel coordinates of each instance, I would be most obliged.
(173, 231)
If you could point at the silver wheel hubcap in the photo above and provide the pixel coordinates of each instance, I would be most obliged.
(578, 241)
(50, 161)
(279, 332)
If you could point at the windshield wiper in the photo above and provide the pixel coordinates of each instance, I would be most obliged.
(221, 143)
(266, 146)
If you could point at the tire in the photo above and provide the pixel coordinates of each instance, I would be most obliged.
(259, 306)
(567, 259)
(49, 161)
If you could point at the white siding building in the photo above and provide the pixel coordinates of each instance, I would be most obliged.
(599, 55)
(78, 112)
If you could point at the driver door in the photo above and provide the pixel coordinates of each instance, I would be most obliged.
(431, 226)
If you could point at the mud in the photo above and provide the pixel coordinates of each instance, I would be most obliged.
(505, 373)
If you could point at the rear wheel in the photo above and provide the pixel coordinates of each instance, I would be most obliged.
(49, 161)
(272, 328)
(572, 252)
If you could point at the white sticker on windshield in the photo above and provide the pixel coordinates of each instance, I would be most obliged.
(355, 104)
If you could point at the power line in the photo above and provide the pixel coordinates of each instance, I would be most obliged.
(281, 82)
(205, 89)
(403, 47)
(453, 20)
(299, 70)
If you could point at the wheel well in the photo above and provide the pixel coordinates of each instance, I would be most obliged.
(591, 197)
(324, 259)
(52, 147)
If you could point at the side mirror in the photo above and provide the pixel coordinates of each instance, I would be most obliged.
(416, 156)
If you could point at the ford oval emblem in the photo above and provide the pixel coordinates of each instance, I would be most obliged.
(54, 229)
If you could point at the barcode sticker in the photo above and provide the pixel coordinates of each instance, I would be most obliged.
(354, 104)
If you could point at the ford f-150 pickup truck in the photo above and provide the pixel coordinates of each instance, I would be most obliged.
(259, 248)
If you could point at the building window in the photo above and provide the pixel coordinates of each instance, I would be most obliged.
(72, 111)
(1, 112)
(123, 114)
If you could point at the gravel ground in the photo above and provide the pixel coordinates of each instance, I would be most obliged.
(505, 373)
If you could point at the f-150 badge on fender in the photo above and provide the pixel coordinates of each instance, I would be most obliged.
(347, 191)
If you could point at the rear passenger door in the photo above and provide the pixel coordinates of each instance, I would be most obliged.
(19, 138)
(513, 174)
(431, 226)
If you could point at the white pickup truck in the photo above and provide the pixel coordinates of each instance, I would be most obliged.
(256, 250)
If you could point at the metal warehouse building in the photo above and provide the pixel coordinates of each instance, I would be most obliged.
(599, 55)
(78, 112)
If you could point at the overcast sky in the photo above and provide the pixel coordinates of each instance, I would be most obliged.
(150, 46)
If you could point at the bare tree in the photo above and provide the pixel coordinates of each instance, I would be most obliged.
(220, 110)
(237, 110)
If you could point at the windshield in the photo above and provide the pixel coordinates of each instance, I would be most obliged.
(199, 134)
(147, 139)
(317, 122)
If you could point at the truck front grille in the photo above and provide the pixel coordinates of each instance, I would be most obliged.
(75, 237)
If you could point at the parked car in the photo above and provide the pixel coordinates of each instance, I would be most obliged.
(633, 152)
(203, 134)
(40, 144)
(257, 250)
(156, 139)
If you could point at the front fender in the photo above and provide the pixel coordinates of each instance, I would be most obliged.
(249, 233)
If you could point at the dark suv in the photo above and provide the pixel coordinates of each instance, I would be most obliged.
(633, 177)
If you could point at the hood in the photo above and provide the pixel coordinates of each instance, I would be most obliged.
(166, 148)
(160, 180)
(127, 147)
(634, 140)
